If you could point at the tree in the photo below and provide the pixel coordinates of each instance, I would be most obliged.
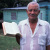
(6, 3)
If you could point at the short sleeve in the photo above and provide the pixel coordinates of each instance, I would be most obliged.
(48, 35)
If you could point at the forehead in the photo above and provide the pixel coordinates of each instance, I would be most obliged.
(33, 6)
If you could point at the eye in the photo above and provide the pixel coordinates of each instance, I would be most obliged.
(35, 10)
(30, 10)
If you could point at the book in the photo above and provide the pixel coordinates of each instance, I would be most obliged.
(10, 29)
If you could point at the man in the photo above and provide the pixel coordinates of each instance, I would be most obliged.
(35, 34)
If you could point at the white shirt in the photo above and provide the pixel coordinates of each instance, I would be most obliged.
(37, 40)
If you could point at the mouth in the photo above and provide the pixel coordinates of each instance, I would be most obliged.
(32, 15)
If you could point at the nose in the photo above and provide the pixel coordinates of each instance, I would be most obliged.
(32, 12)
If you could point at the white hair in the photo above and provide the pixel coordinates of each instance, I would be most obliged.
(33, 3)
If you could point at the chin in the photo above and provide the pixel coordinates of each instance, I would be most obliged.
(33, 18)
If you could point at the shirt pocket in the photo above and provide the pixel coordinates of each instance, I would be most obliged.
(42, 39)
(23, 39)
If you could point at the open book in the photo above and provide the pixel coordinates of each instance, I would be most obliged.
(10, 29)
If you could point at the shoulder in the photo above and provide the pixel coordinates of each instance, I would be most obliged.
(44, 22)
(22, 22)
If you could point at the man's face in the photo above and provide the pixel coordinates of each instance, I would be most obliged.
(33, 11)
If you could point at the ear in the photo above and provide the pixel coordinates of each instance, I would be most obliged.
(39, 11)
(26, 11)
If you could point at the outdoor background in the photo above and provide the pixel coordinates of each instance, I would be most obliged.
(6, 42)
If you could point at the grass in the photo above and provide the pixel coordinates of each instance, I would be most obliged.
(8, 43)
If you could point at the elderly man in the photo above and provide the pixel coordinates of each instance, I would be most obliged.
(35, 33)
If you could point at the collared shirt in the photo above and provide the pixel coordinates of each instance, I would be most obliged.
(37, 40)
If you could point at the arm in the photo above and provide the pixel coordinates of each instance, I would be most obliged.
(48, 47)
(18, 36)
(48, 39)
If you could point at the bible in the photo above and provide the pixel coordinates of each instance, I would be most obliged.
(10, 29)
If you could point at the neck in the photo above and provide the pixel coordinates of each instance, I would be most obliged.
(33, 21)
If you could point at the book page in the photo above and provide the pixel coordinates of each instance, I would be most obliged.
(8, 27)
(15, 27)
(4, 29)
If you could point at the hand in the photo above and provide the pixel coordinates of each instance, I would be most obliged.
(18, 36)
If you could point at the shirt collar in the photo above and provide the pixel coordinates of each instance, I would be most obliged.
(40, 22)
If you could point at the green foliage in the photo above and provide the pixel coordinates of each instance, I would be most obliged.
(12, 3)
(24, 3)
(6, 3)
(8, 43)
